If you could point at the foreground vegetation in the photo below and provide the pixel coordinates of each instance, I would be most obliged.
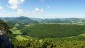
(48, 36)
(50, 43)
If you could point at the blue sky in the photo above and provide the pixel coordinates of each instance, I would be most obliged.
(43, 8)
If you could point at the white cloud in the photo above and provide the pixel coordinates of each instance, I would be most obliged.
(14, 4)
(38, 11)
(17, 13)
(22, 0)
(1, 8)
(21, 12)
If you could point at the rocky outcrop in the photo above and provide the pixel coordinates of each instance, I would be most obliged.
(3, 32)
(4, 39)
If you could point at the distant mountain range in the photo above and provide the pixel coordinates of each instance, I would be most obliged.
(23, 19)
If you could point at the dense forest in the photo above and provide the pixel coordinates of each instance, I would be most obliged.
(53, 30)
(27, 33)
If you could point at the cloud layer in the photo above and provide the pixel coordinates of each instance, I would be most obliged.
(14, 4)
(1, 8)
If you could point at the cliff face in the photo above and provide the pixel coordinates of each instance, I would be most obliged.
(3, 27)
(3, 32)
(4, 39)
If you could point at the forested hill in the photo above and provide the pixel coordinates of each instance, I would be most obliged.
(46, 33)
(19, 19)
(27, 20)
(11, 21)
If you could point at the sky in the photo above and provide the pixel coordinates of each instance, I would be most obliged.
(43, 8)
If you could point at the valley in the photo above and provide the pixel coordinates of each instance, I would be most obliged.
(30, 33)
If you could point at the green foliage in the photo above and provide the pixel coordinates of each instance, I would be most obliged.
(50, 43)
(19, 25)
(3, 25)
(16, 32)
(11, 24)
(34, 43)
(53, 30)
(46, 35)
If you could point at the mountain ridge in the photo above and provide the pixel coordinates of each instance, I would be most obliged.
(46, 20)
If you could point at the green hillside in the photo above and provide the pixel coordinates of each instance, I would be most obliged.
(53, 30)
(46, 35)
